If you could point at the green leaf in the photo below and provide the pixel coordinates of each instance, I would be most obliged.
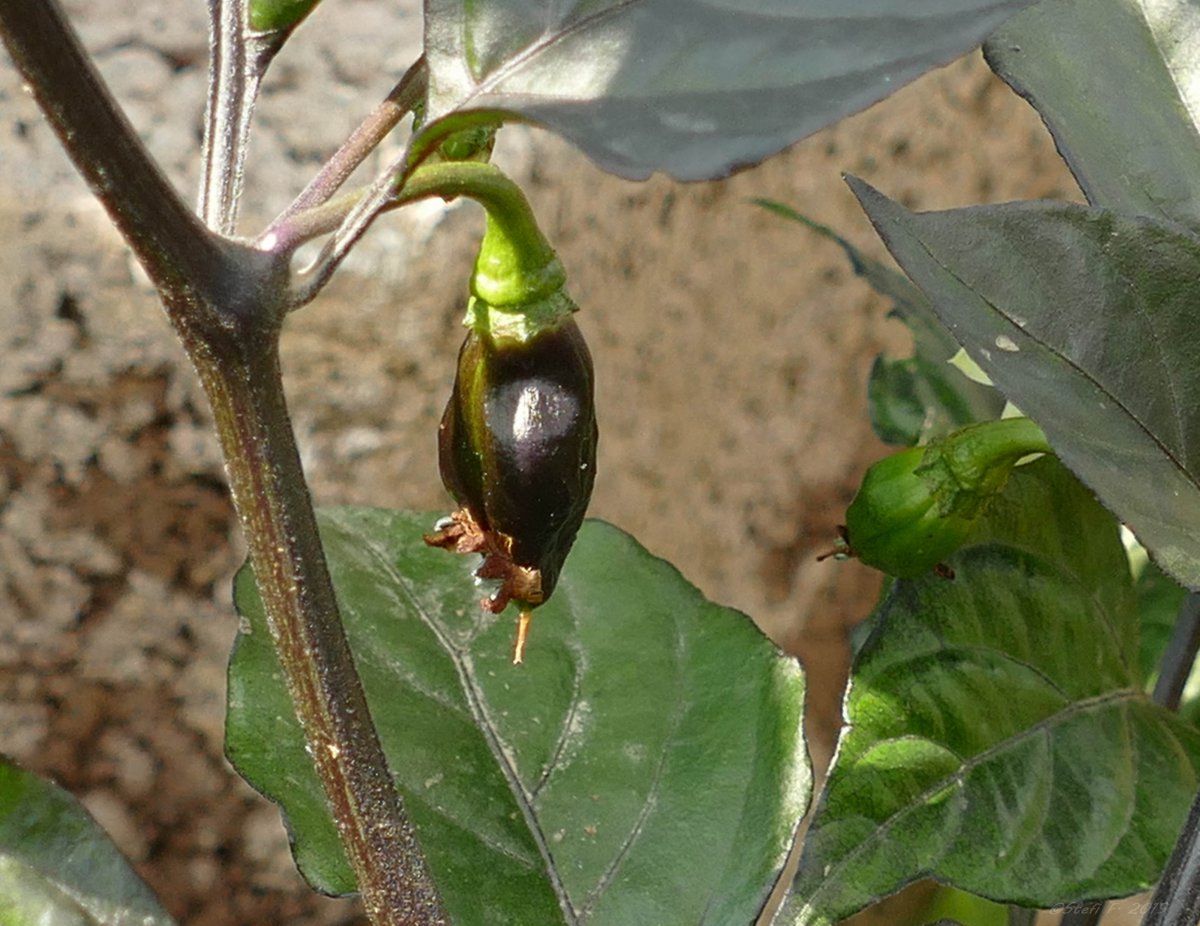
(695, 88)
(58, 867)
(1085, 320)
(912, 399)
(998, 736)
(644, 765)
(1118, 84)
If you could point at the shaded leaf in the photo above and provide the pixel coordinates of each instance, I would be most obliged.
(57, 866)
(1085, 320)
(643, 765)
(1111, 78)
(912, 399)
(695, 88)
(1159, 599)
(998, 735)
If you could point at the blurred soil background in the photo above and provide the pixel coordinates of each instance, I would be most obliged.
(732, 351)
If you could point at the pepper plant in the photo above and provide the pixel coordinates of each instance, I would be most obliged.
(646, 763)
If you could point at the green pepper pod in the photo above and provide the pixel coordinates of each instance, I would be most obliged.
(916, 507)
(894, 524)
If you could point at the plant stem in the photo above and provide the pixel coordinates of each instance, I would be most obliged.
(231, 93)
(503, 199)
(268, 488)
(1021, 916)
(405, 96)
(1176, 900)
(1180, 656)
(239, 61)
(1085, 913)
(225, 301)
(1177, 897)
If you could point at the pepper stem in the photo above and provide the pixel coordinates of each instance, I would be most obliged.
(523, 621)
(516, 263)
(517, 284)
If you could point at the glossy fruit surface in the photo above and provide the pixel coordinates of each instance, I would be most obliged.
(517, 447)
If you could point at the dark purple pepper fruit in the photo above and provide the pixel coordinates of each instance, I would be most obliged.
(517, 443)
(517, 450)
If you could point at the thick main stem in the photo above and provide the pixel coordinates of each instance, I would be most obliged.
(289, 565)
(225, 301)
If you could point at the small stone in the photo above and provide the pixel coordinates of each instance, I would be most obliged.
(203, 872)
(120, 460)
(358, 442)
(134, 767)
(194, 450)
(23, 729)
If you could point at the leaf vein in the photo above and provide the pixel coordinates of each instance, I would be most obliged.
(483, 721)
(1041, 727)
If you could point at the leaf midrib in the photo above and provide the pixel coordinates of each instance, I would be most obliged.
(483, 722)
(1054, 351)
(524, 797)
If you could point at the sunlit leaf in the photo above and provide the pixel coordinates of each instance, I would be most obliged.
(695, 88)
(643, 765)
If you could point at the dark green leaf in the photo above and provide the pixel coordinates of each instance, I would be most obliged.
(916, 398)
(1086, 320)
(694, 88)
(58, 867)
(998, 735)
(1117, 83)
(643, 766)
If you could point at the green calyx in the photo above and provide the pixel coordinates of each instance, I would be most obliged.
(966, 468)
(520, 323)
(516, 270)
(916, 507)
(517, 286)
